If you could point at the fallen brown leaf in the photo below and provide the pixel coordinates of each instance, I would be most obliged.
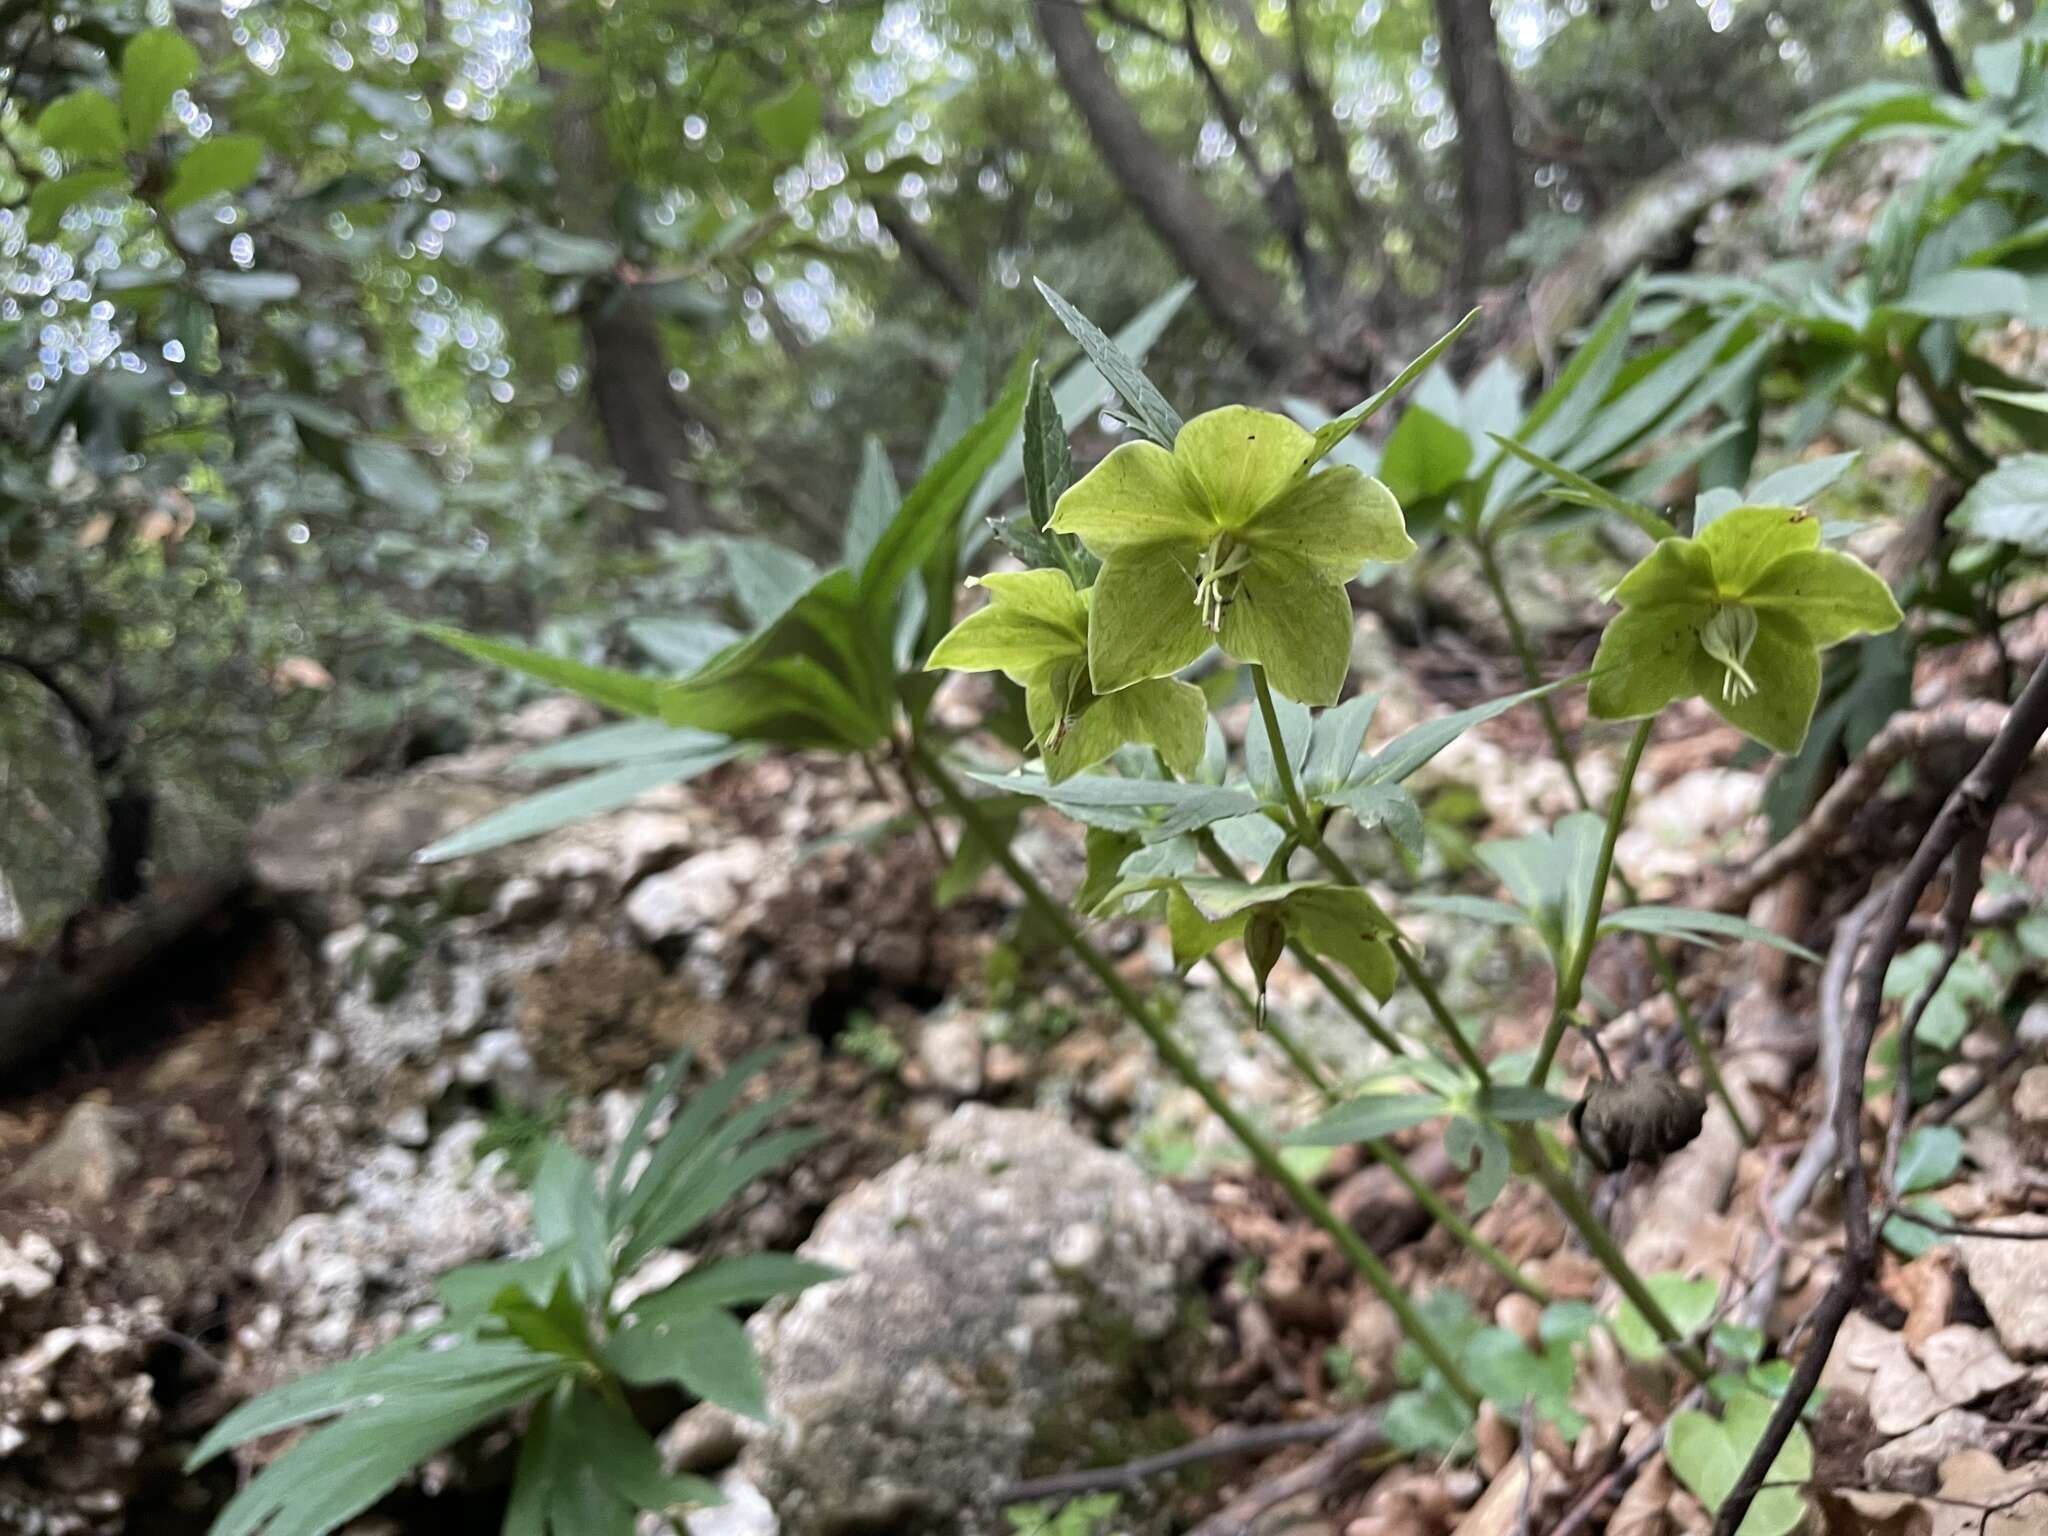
(1965, 1363)
(1926, 1288)
(1641, 1511)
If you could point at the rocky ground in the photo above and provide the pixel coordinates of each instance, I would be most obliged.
(263, 1164)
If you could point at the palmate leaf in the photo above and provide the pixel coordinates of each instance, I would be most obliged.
(586, 1467)
(703, 1348)
(393, 1409)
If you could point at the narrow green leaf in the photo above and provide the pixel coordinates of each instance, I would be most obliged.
(1589, 492)
(1368, 1118)
(627, 692)
(706, 1351)
(1149, 410)
(579, 800)
(1331, 433)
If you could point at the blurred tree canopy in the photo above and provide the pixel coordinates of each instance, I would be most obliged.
(317, 316)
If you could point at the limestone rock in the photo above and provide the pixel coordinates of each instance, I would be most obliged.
(1911, 1463)
(950, 1052)
(1015, 1295)
(699, 893)
(84, 1161)
(2007, 1275)
(2030, 1099)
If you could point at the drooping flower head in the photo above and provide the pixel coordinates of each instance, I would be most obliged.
(1035, 631)
(1738, 617)
(1232, 538)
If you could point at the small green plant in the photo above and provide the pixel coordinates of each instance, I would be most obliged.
(867, 1040)
(1088, 1516)
(547, 1335)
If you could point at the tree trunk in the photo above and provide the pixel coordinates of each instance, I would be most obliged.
(645, 433)
(1489, 178)
(1237, 291)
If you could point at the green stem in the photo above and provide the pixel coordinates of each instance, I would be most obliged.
(1418, 978)
(1660, 963)
(1433, 1204)
(1532, 672)
(1573, 978)
(1559, 1186)
(1441, 1211)
(1282, 766)
(1177, 1058)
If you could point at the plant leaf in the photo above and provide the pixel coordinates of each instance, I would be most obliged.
(1149, 410)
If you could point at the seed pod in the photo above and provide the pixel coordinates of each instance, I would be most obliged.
(1265, 936)
(1643, 1119)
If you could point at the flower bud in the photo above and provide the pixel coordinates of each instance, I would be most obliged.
(1265, 936)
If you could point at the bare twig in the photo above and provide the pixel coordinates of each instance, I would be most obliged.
(1970, 723)
(1944, 1110)
(1969, 807)
(1967, 872)
(1328, 1464)
(1232, 1440)
(1581, 1513)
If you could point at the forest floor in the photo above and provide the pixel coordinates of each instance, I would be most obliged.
(257, 1162)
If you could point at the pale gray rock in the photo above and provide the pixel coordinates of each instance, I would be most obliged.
(950, 1051)
(1015, 1295)
(1912, 1463)
(84, 1161)
(2007, 1275)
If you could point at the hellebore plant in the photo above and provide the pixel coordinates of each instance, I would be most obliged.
(1232, 538)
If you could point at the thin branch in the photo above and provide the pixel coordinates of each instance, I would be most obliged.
(1939, 54)
(1970, 806)
(1231, 1440)
(1966, 876)
(1969, 723)
(1239, 1516)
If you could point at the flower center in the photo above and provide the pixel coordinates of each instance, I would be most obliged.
(1217, 575)
(1727, 637)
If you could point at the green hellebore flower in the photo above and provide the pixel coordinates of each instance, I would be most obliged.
(1738, 616)
(1035, 631)
(1228, 539)
(1339, 922)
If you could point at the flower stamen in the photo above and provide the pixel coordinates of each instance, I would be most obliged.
(1216, 580)
(1727, 637)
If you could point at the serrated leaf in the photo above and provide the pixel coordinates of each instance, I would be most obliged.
(1332, 433)
(1149, 411)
